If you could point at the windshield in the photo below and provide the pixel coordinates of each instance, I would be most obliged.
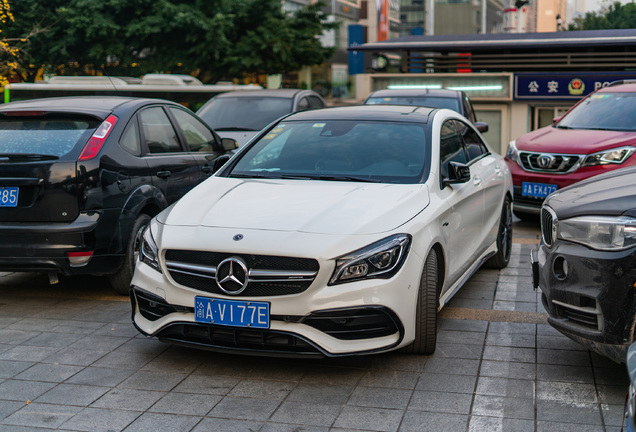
(244, 113)
(47, 136)
(388, 152)
(603, 111)
(426, 101)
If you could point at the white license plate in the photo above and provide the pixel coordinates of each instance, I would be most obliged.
(9, 196)
(235, 313)
(537, 190)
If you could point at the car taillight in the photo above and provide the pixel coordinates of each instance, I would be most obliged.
(95, 143)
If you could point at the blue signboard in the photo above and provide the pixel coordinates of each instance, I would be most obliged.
(564, 85)
(356, 58)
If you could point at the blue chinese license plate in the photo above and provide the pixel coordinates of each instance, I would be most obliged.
(236, 313)
(9, 196)
(537, 190)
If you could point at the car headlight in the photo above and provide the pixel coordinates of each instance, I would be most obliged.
(148, 250)
(613, 156)
(512, 153)
(381, 259)
(600, 232)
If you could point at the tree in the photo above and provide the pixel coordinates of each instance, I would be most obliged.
(9, 53)
(219, 39)
(615, 16)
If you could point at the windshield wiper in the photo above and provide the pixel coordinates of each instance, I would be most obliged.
(345, 178)
(236, 129)
(27, 156)
(255, 175)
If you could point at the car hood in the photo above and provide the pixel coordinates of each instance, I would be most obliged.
(241, 137)
(609, 194)
(310, 206)
(573, 141)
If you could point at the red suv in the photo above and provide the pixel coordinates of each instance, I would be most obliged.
(596, 135)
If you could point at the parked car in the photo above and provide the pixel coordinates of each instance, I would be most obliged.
(585, 264)
(81, 176)
(242, 114)
(597, 135)
(334, 232)
(435, 98)
(630, 403)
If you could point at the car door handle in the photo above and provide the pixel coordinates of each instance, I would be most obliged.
(206, 169)
(476, 181)
(163, 174)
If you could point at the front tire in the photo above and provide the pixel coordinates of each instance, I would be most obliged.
(504, 238)
(426, 312)
(120, 280)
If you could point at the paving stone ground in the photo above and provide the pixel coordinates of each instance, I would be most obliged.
(70, 360)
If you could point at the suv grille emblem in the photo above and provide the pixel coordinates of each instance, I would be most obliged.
(232, 276)
(545, 160)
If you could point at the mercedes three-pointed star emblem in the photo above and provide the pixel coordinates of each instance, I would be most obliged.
(232, 276)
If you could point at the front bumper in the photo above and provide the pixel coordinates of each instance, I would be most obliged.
(589, 295)
(361, 317)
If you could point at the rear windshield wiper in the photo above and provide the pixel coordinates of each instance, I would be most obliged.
(27, 156)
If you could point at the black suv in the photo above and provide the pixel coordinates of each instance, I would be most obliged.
(81, 176)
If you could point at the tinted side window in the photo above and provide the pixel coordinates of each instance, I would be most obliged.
(451, 148)
(474, 145)
(130, 138)
(468, 107)
(158, 133)
(198, 137)
(315, 102)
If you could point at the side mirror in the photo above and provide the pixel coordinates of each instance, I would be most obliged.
(220, 161)
(481, 126)
(556, 119)
(229, 144)
(457, 173)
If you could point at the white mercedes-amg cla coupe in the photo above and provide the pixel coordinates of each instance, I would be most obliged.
(338, 231)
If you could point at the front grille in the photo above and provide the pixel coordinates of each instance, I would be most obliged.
(558, 163)
(268, 275)
(547, 226)
(221, 338)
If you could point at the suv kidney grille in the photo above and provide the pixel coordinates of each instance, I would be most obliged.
(546, 226)
(559, 163)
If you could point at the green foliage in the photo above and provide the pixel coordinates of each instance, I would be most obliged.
(615, 16)
(216, 39)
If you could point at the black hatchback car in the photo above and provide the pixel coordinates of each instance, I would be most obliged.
(586, 262)
(81, 176)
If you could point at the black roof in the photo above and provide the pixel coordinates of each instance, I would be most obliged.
(281, 93)
(99, 106)
(441, 93)
(396, 113)
(496, 42)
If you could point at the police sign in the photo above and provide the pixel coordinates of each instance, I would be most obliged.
(563, 85)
